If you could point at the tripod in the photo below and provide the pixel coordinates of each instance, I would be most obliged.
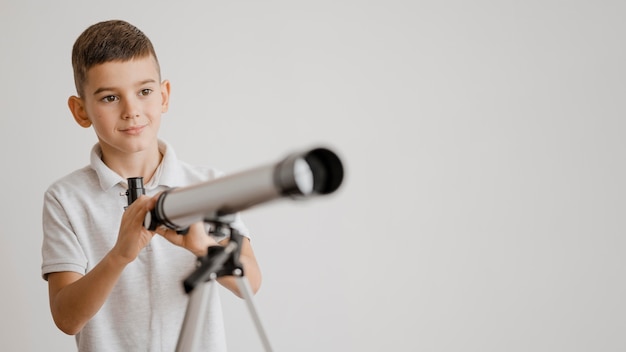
(219, 261)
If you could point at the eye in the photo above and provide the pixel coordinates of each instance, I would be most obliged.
(110, 98)
(145, 92)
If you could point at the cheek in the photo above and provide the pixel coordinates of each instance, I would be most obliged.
(101, 113)
(155, 106)
(155, 117)
(154, 109)
(101, 125)
(104, 118)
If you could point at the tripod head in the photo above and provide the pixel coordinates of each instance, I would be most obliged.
(219, 260)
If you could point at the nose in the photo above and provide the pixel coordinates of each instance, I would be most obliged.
(130, 108)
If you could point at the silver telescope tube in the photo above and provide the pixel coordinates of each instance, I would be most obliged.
(298, 176)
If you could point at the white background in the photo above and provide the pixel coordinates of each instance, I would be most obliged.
(483, 144)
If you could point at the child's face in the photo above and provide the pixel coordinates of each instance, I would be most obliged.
(123, 102)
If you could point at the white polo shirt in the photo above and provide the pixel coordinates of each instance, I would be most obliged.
(81, 217)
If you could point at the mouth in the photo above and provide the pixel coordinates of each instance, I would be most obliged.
(134, 130)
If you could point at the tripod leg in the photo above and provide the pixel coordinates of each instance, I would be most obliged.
(193, 324)
(246, 292)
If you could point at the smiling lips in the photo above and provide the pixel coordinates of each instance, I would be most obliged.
(134, 130)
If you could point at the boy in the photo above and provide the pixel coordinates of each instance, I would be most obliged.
(112, 283)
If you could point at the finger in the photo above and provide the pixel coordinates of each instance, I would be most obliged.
(139, 203)
(139, 208)
(164, 231)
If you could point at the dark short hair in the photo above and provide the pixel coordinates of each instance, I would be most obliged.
(107, 41)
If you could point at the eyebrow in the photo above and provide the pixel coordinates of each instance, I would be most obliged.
(104, 89)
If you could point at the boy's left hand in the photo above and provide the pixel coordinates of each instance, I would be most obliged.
(196, 239)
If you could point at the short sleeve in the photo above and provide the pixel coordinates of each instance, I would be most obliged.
(61, 250)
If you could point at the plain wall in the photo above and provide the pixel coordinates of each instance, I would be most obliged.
(483, 142)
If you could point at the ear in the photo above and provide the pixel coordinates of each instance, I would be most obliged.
(78, 111)
(165, 96)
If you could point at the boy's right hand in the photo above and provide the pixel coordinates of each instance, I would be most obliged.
(133, 236)
(76, 298)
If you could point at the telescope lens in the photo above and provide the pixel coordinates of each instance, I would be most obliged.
(327, 170)
(318, 171)
(303, 176)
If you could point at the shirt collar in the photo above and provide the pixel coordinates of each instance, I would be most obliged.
(167, 173)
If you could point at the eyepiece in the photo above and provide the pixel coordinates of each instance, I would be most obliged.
(135, 189)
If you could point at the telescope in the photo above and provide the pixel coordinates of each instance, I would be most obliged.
(298, 176)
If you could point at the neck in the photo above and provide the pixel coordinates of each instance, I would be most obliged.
(138, 164)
